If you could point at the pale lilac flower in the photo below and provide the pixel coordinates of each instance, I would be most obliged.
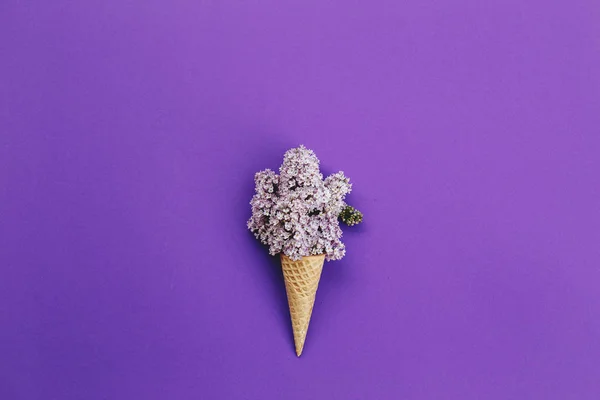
(296, 212)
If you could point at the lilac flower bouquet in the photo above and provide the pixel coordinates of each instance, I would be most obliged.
(297, 213)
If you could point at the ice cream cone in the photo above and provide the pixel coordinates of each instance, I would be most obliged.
(301, 282)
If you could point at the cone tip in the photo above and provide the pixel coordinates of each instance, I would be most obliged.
(299, 348)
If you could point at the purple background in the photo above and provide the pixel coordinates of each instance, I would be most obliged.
(129, 135)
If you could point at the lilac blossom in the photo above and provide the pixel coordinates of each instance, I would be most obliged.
(296, 212)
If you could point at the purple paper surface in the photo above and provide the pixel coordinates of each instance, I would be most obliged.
(129, 135)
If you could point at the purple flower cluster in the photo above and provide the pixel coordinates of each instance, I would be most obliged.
(296, 212)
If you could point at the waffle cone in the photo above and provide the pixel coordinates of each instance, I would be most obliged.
(301, 282)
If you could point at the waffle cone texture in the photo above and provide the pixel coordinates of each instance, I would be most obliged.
(301, 281)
